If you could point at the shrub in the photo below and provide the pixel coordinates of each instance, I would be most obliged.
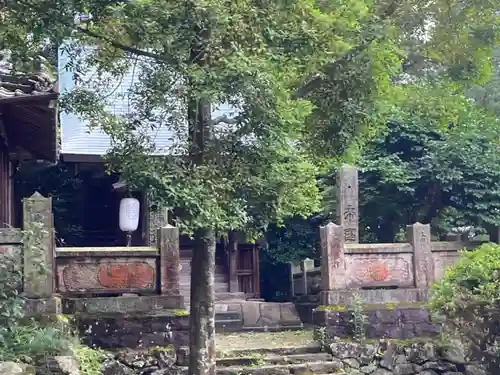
(468, 298)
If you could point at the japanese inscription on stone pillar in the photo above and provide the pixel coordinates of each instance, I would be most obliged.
(348, 212)
(419, 236)
(332, 258)
(158, 218)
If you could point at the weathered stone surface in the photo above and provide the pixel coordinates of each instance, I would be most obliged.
(12, 368)
(406, 369)
(475, 370)
(394, 323)
(351, 363)
(62, 365)
(136, 331)
(113, 367)
(289, 314)
(453, 354)
(270, 314)
(122, 304)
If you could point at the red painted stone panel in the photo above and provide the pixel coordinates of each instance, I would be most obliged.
(369, 270)
(85, 276)
(126, 276)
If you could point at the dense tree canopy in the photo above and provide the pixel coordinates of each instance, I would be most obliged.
(305, 77)
(417, 171)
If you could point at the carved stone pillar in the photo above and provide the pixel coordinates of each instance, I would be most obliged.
(348, 202)
(419, 236)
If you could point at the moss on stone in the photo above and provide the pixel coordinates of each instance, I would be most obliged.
(179, 312)
(391, 306)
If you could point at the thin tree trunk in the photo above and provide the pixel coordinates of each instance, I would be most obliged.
(202, 314)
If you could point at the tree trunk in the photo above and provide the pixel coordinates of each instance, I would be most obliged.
(202, 314)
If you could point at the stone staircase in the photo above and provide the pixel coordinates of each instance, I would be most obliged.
(221, 281)
(300, 360)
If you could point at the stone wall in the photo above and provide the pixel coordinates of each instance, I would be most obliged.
(134, 331)
(247, 315)
(390, 358)
(382, 321)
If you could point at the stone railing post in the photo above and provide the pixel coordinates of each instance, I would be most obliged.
(157, 218)
(419, 236)
(38, 247)
(168, 246)
(307, 265)
(333, 272)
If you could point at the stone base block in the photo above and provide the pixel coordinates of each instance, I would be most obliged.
(373, 296)
(43, 306)
(133, 331)
(125, 304)
(398, 322)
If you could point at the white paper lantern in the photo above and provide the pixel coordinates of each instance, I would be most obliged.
(129, 214)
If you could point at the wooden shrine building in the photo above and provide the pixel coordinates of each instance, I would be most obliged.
(237, 264)
(28, 130)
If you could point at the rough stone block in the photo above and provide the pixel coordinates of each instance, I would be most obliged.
(235, 307)
(251, 314)
(386, 316)
(270, 314)
(415, 315)
(289, 314)
(44, 306)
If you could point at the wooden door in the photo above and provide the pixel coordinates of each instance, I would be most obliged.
(248, 270)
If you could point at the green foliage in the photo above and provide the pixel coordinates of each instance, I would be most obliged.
(20, 340)
(487, 94)
(358, 318)
(61, 183)
(295, 240)
(342, 59)
(89, 359)
(468, 297)
(23, 339)
(434, 163)
(11, 302)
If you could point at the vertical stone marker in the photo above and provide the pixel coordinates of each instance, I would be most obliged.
(348, 202)
(38, 249)
(168, 246)
(419, 236)
(333, 271)
(156, 219)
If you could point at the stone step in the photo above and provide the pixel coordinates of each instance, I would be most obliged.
(230, 296)
(270, 352)
(266, 329)
(260, 360)
(228, 315)
(287, 350)
(320, 367)
(228, 325)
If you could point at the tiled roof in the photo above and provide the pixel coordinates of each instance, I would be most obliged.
(79, 140)
(16, 85)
